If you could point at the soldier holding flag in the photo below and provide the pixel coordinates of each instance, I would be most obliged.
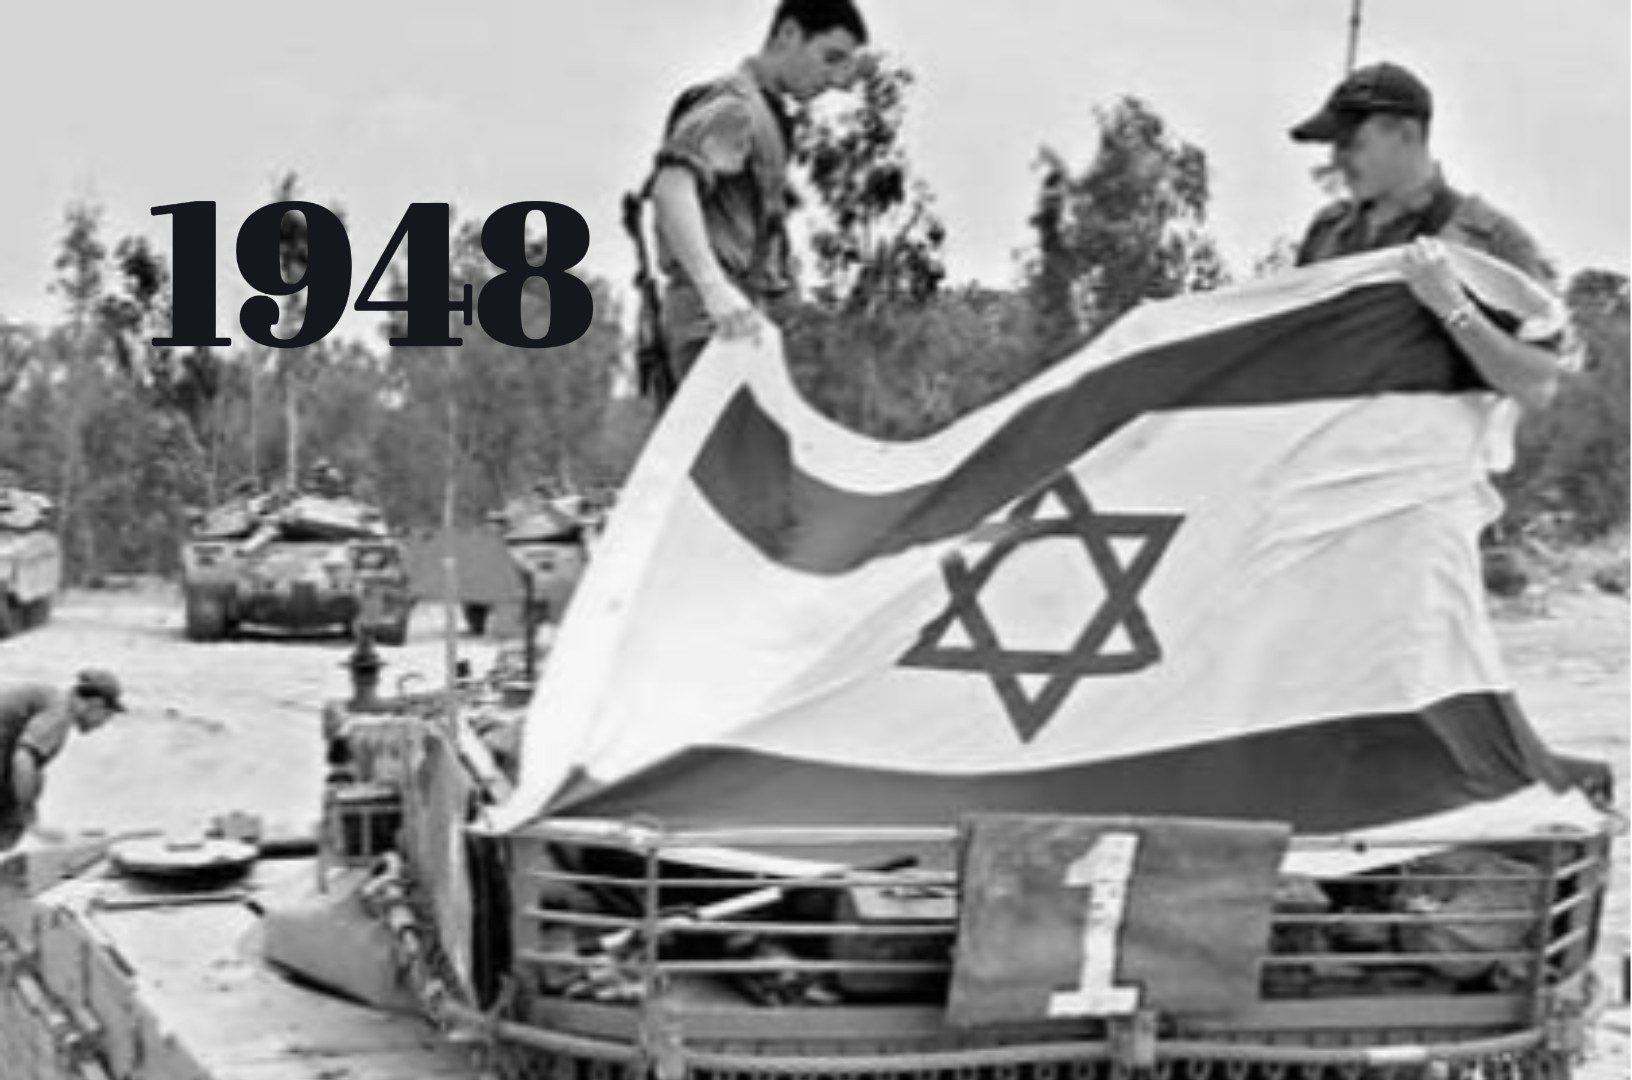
(1377, 123)
(720, 186)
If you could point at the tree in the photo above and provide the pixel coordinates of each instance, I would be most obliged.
(902, 372)
(78, 346)
(19, 350)
(1130, 227)
(1571, 470)
(874, 345)
(877, 240)
(517, 417)
(130, 434)
(295, 367)
(1279, 257)
(182, 386)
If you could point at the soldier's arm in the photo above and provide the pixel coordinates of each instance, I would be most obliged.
(1526, 372)
(27, 778)
(43, 736)
(680, 221)
(711, 140)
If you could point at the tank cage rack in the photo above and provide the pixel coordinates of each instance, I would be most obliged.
(742, 953)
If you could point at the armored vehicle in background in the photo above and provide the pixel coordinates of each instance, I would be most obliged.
(516, 570)
(30, 559)
(295, 561)
(548, 539)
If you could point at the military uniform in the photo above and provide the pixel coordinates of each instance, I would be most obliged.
(34, 719)
(1348, 228)
(744, 209)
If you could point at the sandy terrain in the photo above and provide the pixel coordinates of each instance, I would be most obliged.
(234, 726)
(211, 727)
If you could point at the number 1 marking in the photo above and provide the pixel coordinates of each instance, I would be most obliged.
(1105, 872)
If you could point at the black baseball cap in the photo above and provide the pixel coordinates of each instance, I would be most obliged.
(94, 682)
(1376, 88)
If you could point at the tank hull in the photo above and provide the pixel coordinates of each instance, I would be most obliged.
(103, 979)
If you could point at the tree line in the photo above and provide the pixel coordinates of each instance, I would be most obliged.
(127, 436)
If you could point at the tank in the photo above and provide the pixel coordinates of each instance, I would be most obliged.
(548, 540)
(405, 940)
(110, 974)
(295, 561)
(518, 569)
(30, 559)
(621, 948)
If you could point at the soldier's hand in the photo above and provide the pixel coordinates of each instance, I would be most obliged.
(733, 317)
(1432, 281)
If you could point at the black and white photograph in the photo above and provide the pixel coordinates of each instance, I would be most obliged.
(823, 539)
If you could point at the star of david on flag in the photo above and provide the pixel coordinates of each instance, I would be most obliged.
(1091, 652)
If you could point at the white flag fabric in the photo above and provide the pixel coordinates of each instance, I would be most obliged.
(1221, 561)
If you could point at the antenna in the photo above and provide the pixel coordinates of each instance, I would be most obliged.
(1354, 34)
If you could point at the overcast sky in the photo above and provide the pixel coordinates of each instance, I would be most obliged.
(377, 105)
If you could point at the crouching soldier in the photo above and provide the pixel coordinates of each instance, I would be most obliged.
(34, 724)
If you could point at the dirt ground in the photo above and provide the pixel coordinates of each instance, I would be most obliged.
(234, 726)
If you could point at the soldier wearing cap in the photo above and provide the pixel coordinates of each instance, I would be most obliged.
(34, 724)
(1377, 123)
